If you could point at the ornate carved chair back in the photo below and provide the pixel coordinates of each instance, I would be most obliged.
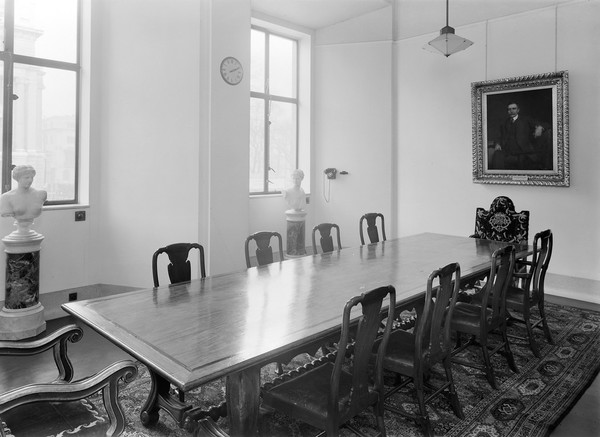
(502, 222)
(326, 239)
(264, 251)
(372, 230)
(179, 268)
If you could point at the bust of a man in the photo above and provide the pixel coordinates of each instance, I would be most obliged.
(295, 195)
(24, 203)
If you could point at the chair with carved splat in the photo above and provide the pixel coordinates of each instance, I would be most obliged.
(326, 240)
(329, 395)
(264, 251)
(179, 268)
(372, 230)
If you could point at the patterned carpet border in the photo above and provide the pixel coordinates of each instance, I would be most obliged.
(529, 403)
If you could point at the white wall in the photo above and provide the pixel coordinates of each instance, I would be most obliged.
(436, 192)
(352, 123)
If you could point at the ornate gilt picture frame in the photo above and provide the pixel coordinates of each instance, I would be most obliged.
(531, 148)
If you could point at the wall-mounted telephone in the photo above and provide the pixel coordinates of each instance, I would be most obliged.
(331, 173)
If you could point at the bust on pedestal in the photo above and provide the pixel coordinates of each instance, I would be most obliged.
(22, 315)
(296, 216)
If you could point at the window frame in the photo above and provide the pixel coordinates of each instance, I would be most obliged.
(9, 58)
(266, 97)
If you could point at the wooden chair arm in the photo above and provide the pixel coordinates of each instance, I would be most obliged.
(71, 333)
(107, 380)
(57, 340)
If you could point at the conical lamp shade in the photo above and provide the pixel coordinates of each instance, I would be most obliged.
(448, 43)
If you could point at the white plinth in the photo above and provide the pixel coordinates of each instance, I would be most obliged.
(22, 323)
(22, 248)
(295, 233)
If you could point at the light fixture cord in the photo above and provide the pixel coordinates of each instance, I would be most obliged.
(447, 1)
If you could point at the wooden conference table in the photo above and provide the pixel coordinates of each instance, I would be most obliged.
(230, 325)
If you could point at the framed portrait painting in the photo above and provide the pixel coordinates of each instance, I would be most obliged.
(521, 130)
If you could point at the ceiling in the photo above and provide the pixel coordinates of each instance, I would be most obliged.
(416, 17)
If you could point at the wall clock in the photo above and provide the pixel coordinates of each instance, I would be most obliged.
(232, 70)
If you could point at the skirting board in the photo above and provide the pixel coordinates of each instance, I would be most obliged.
(587, 290)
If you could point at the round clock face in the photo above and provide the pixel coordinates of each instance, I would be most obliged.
(231, 70)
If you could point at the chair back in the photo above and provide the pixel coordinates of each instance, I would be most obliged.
(372, 231)
(432, 334)
(264, 251)
(502, 222)
(179, 268)
(542, 252)
(494, 292)
(326, 239)
(364, 340)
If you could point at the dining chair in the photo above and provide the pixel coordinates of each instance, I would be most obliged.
(413, 354)
(480, 320)
(264, 251)
(326, 240)
(179, 268)
(329, 395)
(528, 291)
(372, 230)
(63, 388)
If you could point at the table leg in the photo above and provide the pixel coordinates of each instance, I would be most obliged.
(243, 399)
(160, 398)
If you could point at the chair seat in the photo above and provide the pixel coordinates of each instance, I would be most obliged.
(400, 353)
(305, 397)
(515, 297)
(467, 318)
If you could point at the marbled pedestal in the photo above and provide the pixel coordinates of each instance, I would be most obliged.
(23, 314)
(296, 229)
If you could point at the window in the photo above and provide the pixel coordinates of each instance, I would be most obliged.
(274, 115)
(39, 71)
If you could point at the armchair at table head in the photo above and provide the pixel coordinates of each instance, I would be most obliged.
(264, 251)
(179, 268)
(413, 354)
(326, 239)
(328, 395)
(63, 388)
(501, 222)
(372, 231)
(528, 290)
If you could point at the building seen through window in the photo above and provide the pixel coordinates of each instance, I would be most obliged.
(40, 74)
(273, 111)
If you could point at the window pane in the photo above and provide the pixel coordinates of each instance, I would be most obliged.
(257, 145)
(1, 110)
(257, 62)
(46, 29)
(44, 127)
(2, 25)
(283, 144)
(282, 66)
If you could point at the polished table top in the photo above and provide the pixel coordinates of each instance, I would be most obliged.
(195, 332)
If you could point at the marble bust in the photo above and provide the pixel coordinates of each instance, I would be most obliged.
(24, 203)
(295, 196)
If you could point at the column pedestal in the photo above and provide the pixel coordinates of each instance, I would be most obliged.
(23, 314)
(296, 229)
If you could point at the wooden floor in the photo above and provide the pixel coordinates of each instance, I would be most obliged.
(93, 353)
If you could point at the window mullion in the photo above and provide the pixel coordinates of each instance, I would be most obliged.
(9, 25)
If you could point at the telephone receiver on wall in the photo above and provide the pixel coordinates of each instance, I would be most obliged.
(331, 173)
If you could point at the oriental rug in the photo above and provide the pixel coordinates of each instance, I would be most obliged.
(529, 403)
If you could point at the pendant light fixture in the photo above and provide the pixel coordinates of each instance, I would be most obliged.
(448, 42)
